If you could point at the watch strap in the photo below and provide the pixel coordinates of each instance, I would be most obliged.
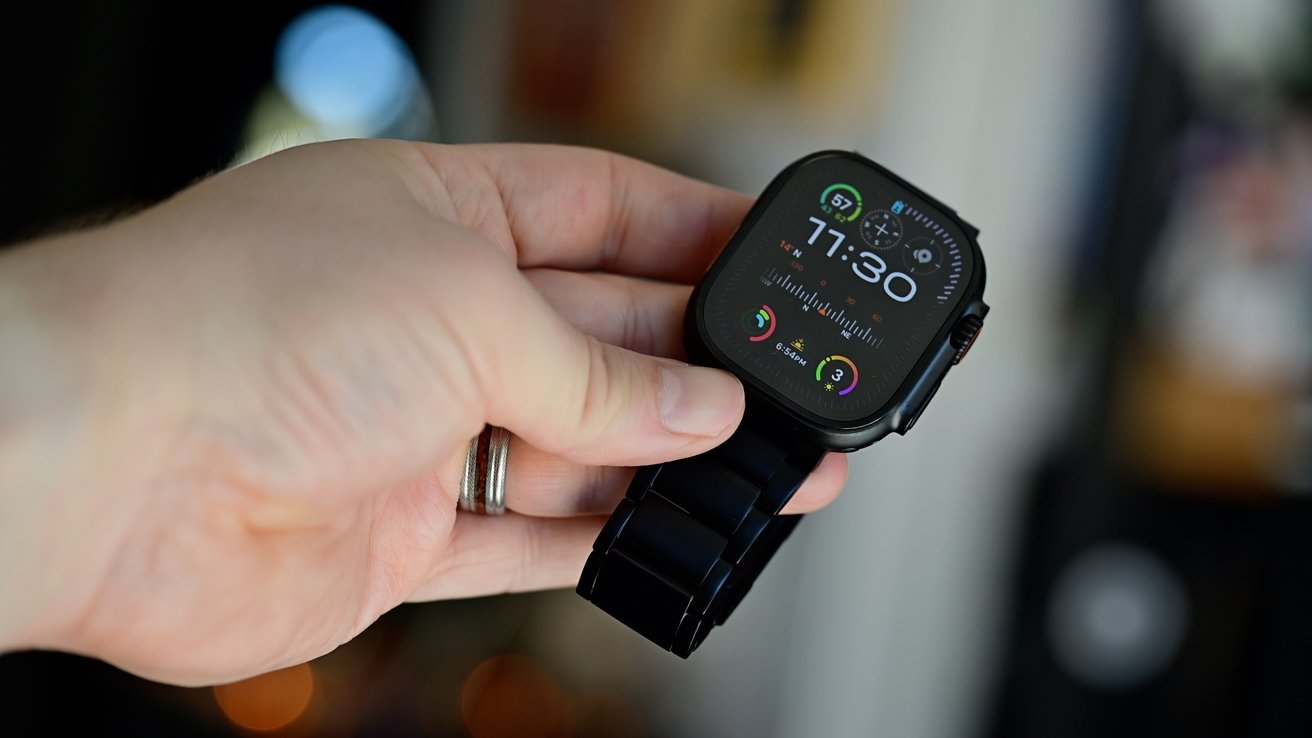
(691, 536)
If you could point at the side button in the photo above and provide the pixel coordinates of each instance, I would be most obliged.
(922, 407)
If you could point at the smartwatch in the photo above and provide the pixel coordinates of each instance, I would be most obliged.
(841, 302)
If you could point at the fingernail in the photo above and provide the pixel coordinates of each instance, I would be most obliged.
(699, 401)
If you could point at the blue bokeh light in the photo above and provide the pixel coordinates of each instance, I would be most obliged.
(346, 70)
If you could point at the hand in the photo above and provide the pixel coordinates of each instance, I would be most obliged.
(232, 426)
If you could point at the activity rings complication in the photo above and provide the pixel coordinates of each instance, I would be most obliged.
(483, 481)
(841, 302)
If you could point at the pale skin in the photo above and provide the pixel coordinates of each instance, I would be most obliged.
(231, 426)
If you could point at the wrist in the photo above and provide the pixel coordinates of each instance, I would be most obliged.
(63, 420)
(35, 418)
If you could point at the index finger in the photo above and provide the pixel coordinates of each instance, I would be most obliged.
(585, 209)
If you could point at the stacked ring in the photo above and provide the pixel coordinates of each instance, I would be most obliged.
(483, 482)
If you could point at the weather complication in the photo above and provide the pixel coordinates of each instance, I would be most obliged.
(838, 289)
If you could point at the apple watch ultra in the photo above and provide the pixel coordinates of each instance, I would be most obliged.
(841, 302)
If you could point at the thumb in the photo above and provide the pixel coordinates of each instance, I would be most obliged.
(593, 403)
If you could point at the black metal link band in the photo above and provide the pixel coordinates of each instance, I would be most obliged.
(691, 536)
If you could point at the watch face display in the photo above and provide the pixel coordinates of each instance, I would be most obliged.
(837, 289)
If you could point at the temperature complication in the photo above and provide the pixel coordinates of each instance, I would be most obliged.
(873, 264)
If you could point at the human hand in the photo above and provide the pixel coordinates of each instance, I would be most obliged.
(232, 426)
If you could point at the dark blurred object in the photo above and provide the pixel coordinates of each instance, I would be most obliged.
(1162, 586)
(59, 694)
(1141, 612)
(472, 667)
(113, 106)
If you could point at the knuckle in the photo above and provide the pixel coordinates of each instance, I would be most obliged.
(639, 332)
(610, 393)
(597, 408)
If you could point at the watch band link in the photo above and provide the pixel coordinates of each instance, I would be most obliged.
(691, 536)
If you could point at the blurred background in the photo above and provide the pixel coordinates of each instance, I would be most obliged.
(1101, 528)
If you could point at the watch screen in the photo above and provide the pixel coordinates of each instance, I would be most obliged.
(838, 288)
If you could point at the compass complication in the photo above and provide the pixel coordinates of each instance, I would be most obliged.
(860, 271)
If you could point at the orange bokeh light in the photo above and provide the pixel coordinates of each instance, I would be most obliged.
(270, 701)
(511, 695)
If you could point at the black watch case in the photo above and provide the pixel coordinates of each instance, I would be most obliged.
(898, 414)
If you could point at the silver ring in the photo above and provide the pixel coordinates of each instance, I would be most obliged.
(483, 482)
